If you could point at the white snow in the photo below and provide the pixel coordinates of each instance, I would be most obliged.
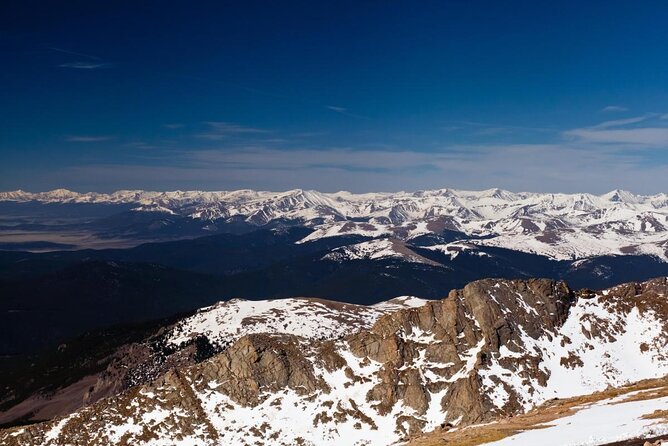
(455, 248)
(604, 422)
(371, 250)
(613, 359)
(308, 318)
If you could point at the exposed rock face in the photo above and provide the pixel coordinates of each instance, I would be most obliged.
(257, 364)
(451, 339)
(495, 348)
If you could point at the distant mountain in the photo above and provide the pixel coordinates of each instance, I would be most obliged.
(316, 372)
(560, 226)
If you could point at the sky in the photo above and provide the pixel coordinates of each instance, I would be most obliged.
(565, 96)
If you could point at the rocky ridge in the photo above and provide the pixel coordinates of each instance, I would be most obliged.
(495, 348)
(198, 337)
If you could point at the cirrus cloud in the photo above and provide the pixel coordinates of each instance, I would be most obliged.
(87, 138)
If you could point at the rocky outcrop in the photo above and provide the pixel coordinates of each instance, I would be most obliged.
(494, 348)
(258, 364)
(460, 332)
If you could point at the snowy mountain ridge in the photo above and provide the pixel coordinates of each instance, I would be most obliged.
(229, 320)
(560, 226)
(347, 203)
(493, 349)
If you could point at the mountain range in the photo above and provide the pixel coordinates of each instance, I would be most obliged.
(163, 317)
(561, 226)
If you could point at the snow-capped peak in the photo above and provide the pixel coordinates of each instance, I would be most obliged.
(562, 226)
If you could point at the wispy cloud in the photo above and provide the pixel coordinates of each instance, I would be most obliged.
(619, 153)
(74, 53)
(87, 138)
(85, 65)
(344, 111)
(623, 132)
(173, 126)
(219, 130)
(614, 109)
(142, 145)
(490, 131)
(621, 122)
(337, 109)
(486, 128)
(92, 62)
(533, 167)
(650, 136)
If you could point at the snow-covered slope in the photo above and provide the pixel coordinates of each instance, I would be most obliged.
(493, 349)
(607, 340)
(634, 414)
(563, 226)
(376, 249)
(604, 422)
(304, 317)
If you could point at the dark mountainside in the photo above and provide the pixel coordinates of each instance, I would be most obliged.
(49, 297)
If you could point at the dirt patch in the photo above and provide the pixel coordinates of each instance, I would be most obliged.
(661, 415)
(39, 407)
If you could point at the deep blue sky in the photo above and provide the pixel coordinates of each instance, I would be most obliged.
(377, 95)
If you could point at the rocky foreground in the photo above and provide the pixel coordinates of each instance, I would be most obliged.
(493, 349)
